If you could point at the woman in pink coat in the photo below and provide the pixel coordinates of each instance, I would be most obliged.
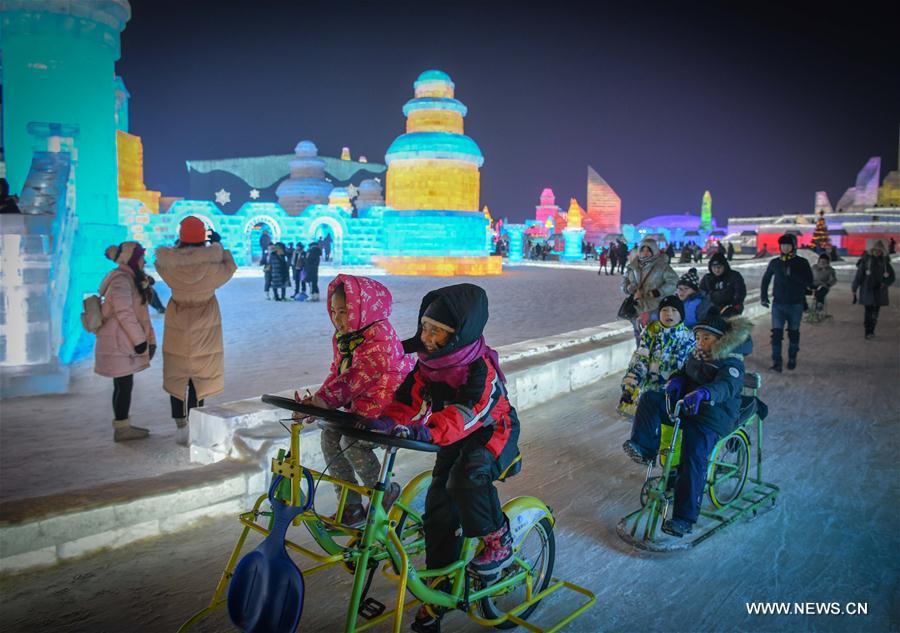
(367, 368)
(125, 342)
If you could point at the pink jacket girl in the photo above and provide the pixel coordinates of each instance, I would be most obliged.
(125, 342)
(368, 363)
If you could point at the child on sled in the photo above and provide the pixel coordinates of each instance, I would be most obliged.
(664, 347)
(710, 385)
(367, 367)
(456, 397)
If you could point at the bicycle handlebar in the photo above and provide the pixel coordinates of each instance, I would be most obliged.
(349, 424)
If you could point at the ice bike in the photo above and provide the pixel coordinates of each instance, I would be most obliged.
(389, 540)
(733, 493)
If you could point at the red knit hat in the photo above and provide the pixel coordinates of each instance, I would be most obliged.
(192, 231)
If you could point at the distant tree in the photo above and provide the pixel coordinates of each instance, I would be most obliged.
(820, 234)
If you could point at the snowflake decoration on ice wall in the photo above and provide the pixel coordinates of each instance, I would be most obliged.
(254, 194)
(223, 197)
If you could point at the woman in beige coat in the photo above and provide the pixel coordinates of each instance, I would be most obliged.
(193, 354)
(125, 342)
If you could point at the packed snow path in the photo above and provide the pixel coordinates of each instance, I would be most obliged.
(831, 445)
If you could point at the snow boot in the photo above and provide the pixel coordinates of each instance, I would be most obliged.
(777, 337)
(301, 297)
(677, 527)
(425, 622)
(793, 348)
(314, 296)
(390, 496)
(635, 453)
(354, 515)
(123, 431)
(182, 432)
(496, 555)
(792, 362)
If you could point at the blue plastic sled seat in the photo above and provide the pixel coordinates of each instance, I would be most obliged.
(266, 590)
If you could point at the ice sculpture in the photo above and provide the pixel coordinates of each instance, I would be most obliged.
(307, 184)
(433, 188)
(604, 208)
(706, 212)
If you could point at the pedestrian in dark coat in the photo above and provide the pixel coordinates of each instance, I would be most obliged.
(311, 270)
(730, 252)
(297, 264)
(874, 274)
(612, 255)
(281, 278)
(623, 256)
(724, 287)
(792, 276)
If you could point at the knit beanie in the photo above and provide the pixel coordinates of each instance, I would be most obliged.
(714, 324)
(672, 301)
(192, 231)
(439, 315)
(127, 253)
(690, 279)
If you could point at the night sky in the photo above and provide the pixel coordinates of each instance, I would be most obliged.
(762, 105)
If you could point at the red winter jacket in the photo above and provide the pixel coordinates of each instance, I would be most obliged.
(453, 414)
(378, 364)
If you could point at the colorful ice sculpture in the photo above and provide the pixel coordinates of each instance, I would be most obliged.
(706, 212)
(573, 234)
(433, 187)
(604, 208)
(58, 68)
(307, 184)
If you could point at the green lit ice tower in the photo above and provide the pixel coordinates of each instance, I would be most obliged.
(59, 70)
(706, 212)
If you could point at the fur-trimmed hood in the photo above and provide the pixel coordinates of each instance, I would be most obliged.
(739, 329)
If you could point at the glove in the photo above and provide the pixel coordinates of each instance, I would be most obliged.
(854, 298)
(382, 425)
(152, 351)
(140, 349)
(417, 432)
(764, 302)
(214, 238)
(674, 387)
(693, 399)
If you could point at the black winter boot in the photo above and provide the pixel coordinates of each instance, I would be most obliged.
(793, 348)
(777, 337)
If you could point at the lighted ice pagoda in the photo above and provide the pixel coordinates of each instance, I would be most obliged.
(432, 224)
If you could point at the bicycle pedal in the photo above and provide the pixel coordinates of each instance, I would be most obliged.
(371, 608)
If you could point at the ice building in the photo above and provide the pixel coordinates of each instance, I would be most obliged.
(432, 222)
(59, 140)
(604, 208)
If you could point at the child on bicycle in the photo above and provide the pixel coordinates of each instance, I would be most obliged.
(664, 347)
(697, 303)
(367, 367)
(710, 385)
(824, 278)
(456, 397)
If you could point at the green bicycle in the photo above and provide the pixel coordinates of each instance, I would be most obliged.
(390, 540)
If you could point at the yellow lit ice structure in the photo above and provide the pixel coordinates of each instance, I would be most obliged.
(432, 190)
(131, 171)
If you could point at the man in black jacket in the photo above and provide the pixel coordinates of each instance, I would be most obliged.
(792, 275)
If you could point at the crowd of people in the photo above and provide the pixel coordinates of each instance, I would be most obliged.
(286, 264)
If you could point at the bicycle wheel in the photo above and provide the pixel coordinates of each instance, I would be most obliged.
(729, 473)
(538, 550)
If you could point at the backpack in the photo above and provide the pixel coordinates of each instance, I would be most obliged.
(92, 317)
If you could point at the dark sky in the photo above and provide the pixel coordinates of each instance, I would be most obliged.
(761, 104)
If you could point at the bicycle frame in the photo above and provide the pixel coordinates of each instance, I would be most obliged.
(379, 542)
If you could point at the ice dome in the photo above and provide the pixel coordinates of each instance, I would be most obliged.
(306, 148)
(685, 222)
(434, 75)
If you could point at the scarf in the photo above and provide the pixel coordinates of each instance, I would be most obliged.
(453, 369)
(700, 355)
(346, 343)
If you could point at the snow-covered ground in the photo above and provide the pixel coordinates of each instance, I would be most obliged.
(831, 445)
(269, 346)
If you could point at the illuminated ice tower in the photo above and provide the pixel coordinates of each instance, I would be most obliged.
(434, 222)
(58, 70)
(706, 212)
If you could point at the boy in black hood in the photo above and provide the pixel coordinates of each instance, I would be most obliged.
(456, 397)
(792, 275)
(724, 287)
